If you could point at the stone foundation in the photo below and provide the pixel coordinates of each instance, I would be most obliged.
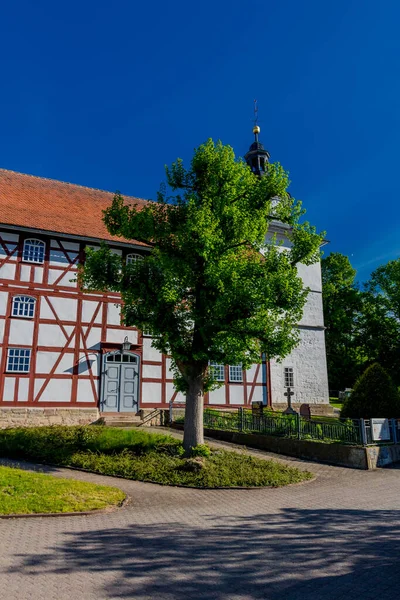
(34, 417)
(320, 410)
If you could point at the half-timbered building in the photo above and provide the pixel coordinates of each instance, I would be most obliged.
(61, 350)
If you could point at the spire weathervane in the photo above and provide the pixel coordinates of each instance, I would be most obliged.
(256, 128)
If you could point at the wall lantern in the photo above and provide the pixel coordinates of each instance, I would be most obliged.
(126, 345)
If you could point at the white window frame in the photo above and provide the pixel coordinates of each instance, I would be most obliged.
(236, 373)
(30, 256)
(23, 306)
(288, 377)
(133, 258)
(18, 357)
(218, 371)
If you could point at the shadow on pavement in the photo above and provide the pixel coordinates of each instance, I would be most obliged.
(310, 554)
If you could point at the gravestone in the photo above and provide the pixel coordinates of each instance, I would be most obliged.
(257, 409)
(305, 411)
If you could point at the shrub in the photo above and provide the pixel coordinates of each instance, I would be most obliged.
(201, 450)
(374, 395)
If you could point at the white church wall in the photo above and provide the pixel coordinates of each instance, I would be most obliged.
(9, 389)
(3, 302)
(7, 271)
(308, 361)
(217, 396)
(258, 395)
(52, 335)
(150, 353)
(85, 391)
(23, 389)
(38, 274)
(170, 393)
(94, 338)
(113, 314)
(25, 272)
(151, 392)
(89, 307)
(311, 276)
(236, 394)
(313, 311)
(21, 332)
(151, 371)
(57, 391)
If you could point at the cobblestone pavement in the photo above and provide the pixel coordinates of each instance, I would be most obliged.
(337, 537)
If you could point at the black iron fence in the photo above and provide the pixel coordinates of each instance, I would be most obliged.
(350, 431)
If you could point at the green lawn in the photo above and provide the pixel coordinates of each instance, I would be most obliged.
(24, 492)
(336, 403)
(137, 454)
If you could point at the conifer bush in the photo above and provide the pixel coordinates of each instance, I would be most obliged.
(374, 395)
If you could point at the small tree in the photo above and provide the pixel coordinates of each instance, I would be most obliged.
(342, 302)
(213, 287)
(374, 395)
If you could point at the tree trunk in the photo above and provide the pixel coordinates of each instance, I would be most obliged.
(194, 431)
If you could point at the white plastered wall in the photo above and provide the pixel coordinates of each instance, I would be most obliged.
(308, 361)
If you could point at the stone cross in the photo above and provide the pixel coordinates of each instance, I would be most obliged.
(289, 395)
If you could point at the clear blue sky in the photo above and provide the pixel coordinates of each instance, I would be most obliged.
(105, 93)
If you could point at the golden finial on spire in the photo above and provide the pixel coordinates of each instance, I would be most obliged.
(256, 128)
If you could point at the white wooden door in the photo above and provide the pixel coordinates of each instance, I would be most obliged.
(120, 383)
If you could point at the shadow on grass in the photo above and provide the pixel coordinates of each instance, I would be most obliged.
(310, 554)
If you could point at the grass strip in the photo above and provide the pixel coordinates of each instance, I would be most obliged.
(24, 492)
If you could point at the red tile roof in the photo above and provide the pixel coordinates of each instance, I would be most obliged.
(39, 203)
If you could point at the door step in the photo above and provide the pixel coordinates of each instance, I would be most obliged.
(121, 419)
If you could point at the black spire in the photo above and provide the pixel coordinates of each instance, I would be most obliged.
(257, 157)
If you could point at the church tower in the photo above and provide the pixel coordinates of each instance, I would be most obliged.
(257, 157)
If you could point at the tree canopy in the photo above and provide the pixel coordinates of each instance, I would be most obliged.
(215, 286)
(362, 322)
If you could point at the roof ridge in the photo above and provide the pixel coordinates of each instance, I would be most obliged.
(86, 187)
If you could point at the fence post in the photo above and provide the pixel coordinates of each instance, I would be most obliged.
(363, 432)
(394, 431)
(298, 421)
(240, 419)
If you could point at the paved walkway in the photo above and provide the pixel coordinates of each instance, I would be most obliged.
(337, 537)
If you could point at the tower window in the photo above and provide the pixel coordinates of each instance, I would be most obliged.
(18, 359)
(289, 377)
(23, 306)
(33, 251)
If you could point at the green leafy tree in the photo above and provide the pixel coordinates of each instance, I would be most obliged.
(342, 302)
(380, 323)
(214, 287)
(385, 282)
(374, 395)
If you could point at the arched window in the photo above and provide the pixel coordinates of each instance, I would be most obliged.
(33, 251)
(132, 258)
(23, 306)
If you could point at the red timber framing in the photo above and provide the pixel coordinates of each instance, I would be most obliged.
(71, 331)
